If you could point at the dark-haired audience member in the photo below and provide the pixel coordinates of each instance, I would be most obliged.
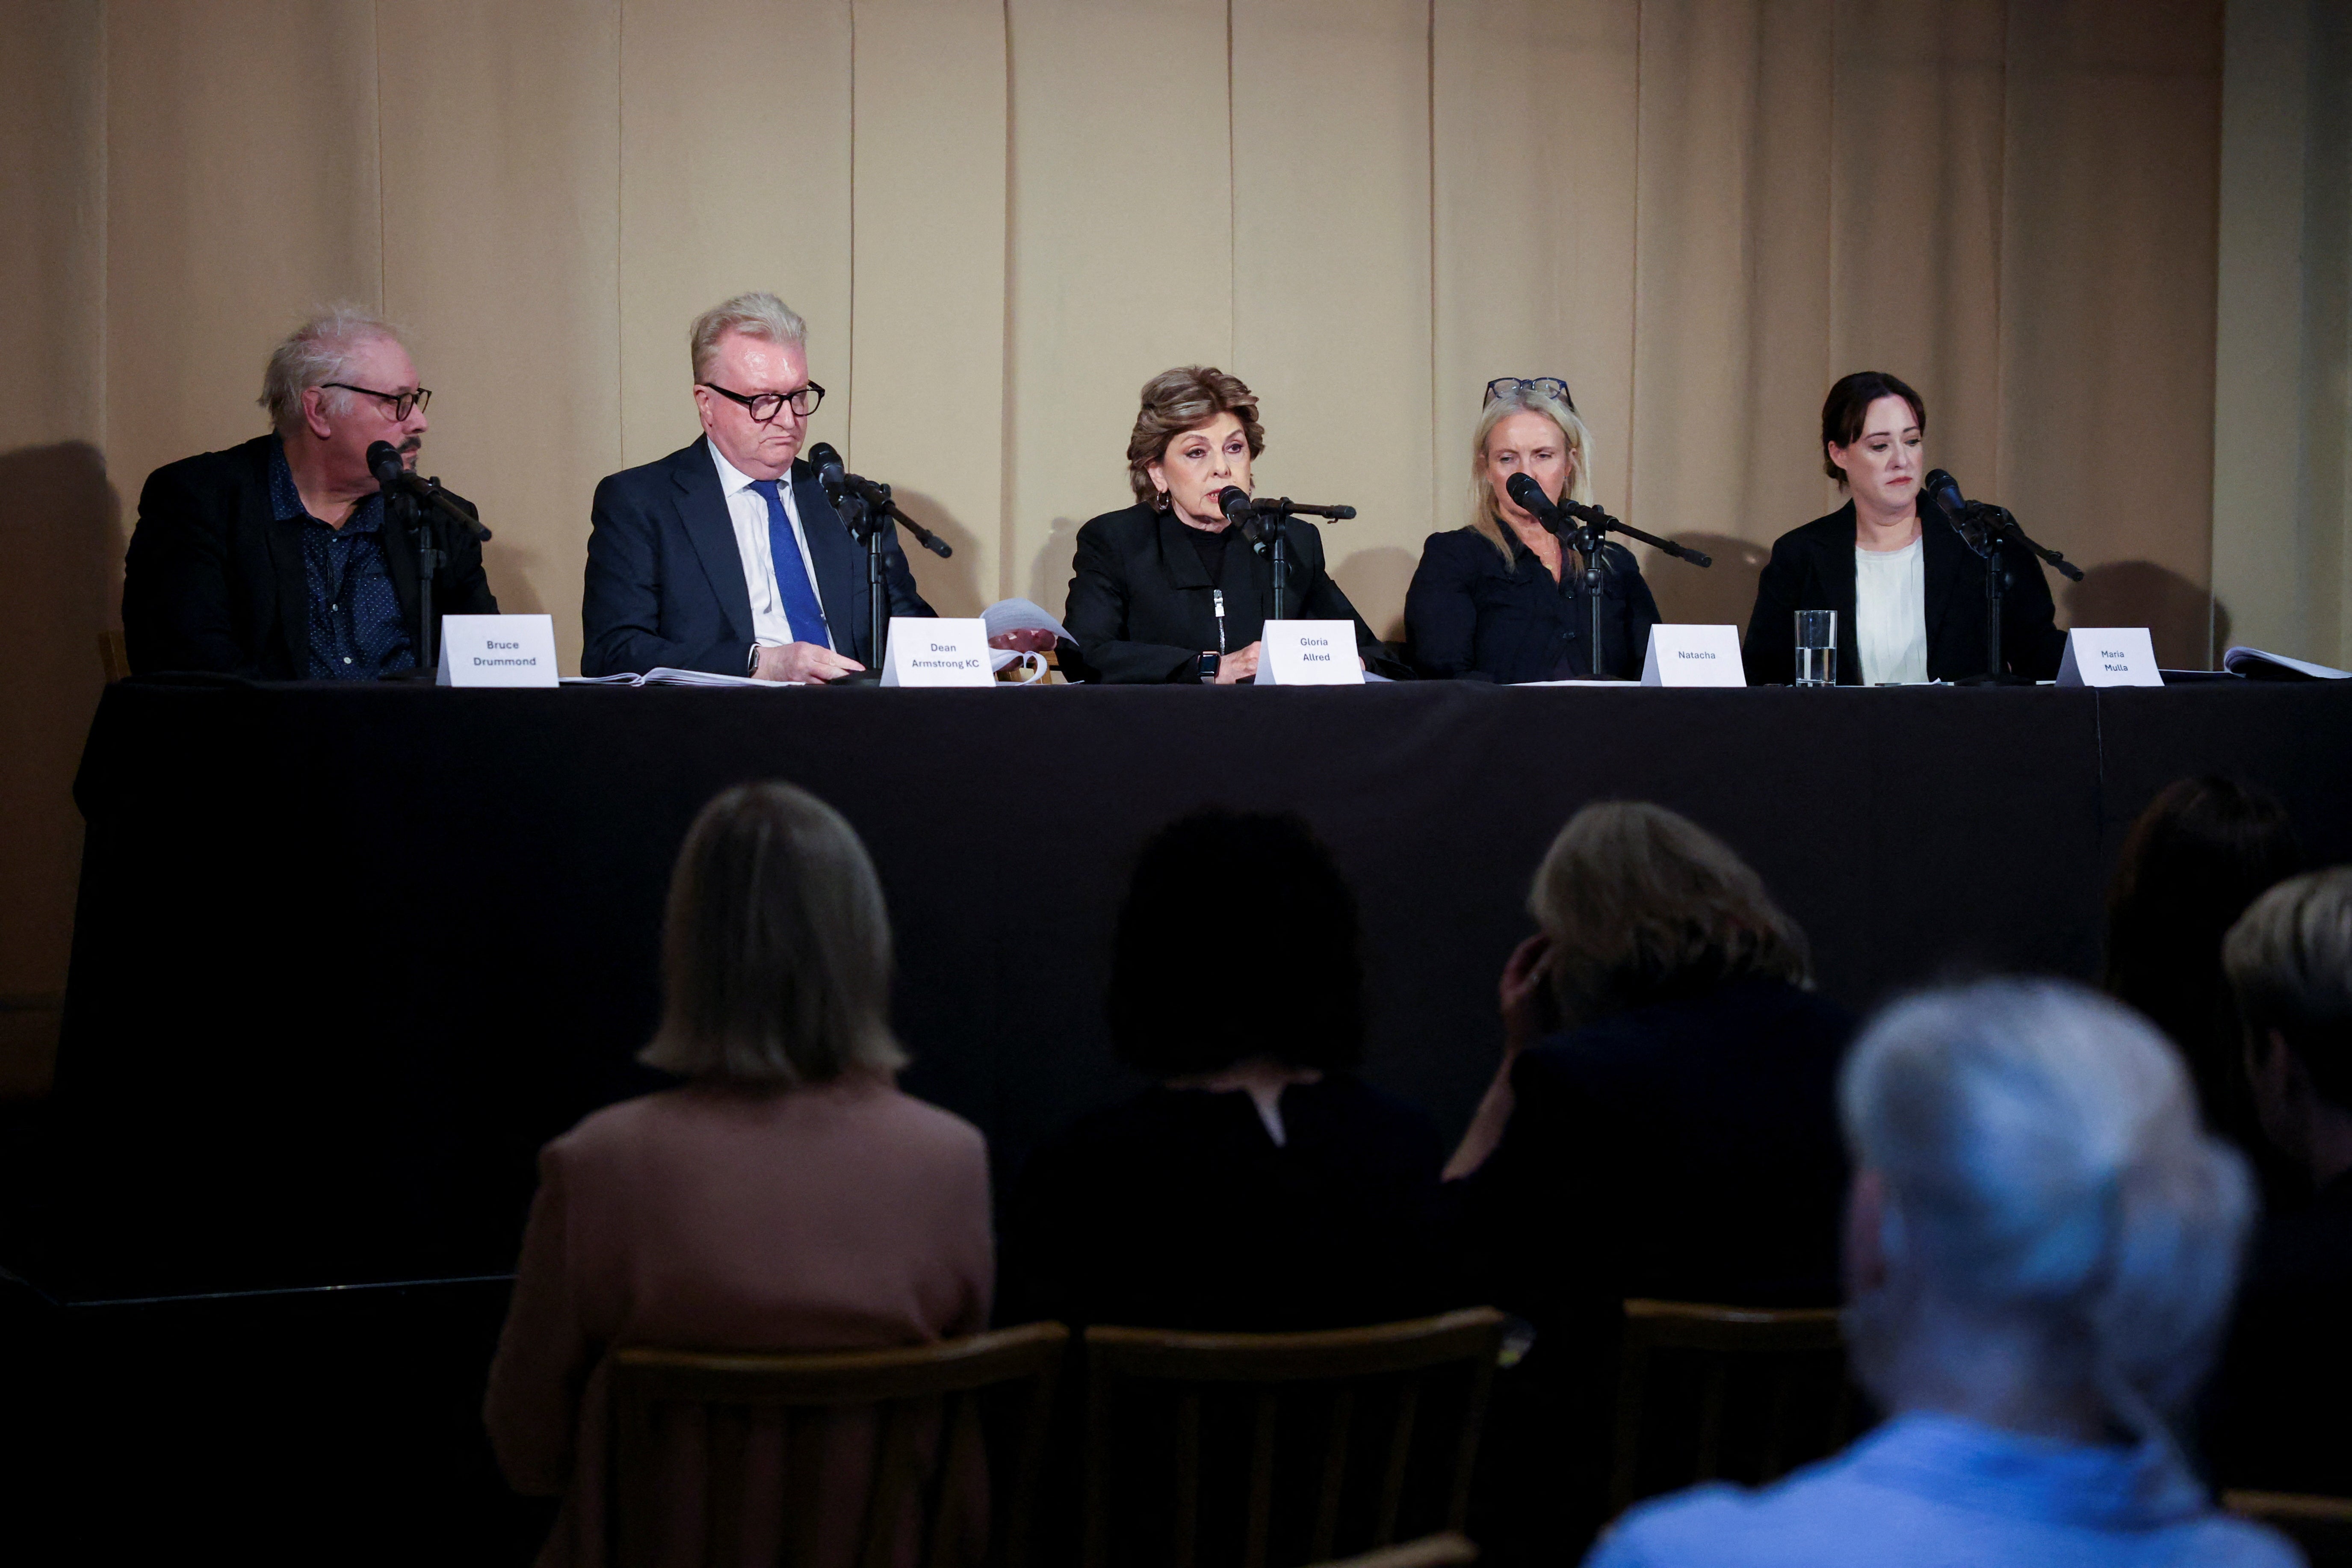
(2040, 1249)
(786, 1197)
(1663, 1124)
(2279, 1422)
(2198, 856)
(1260, 1185)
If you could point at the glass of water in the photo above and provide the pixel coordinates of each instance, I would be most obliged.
(1817, 647)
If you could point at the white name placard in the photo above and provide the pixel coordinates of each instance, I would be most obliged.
(1308, 653)
(927, 652)
(1693, 655)
(497, 650)
(2109, 656)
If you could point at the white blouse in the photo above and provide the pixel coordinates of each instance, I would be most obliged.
(1890, 613)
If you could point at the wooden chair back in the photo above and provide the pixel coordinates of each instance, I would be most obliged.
(928, 1434)
(1754, 1370)
(114, 653)
(2322, 1526)
(1341, 1415)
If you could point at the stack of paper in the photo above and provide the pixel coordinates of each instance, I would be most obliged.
(2255, 665)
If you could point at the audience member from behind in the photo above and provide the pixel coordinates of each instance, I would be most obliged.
(2039, 1247)
(2286, 1383)
(2203, 851)
(786, 1196)
(1661, 1044)
(1260, 1185)
(275, 559)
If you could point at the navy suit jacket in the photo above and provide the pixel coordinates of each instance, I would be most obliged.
(665, 586)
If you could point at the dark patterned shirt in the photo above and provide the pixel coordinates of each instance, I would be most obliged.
(357, 630)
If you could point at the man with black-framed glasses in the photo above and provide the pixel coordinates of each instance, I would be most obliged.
(274, 559)
(726, 556)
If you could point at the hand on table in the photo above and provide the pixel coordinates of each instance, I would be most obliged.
(802, 664)
(1023, 639)
(1520, 994)
(1239, 665)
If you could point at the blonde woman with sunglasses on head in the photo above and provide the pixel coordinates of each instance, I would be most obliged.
(1503, 598)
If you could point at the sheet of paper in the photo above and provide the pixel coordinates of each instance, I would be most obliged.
(2242, 655)
(1022, 615)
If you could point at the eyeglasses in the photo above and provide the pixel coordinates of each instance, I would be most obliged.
(402, 402)
(768, 405)
(1549, 385)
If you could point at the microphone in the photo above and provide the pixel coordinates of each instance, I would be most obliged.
(1940, 493)
(836, 478)
(1524, 490)
(383, 460)
(1234, 503)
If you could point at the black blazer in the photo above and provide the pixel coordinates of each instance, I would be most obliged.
(665, 586)
(1177, 1210)
(1140, 605)
(1813, 569)
(1468, 614)
(214, 582)
(1688, 1150)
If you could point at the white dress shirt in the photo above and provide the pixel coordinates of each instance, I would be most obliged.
(771, 628)
(1890, 613)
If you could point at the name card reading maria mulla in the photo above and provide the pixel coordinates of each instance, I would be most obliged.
(1693, 655)
(2109, 656)
(1308, 653)
(926, 652)
(497, 650)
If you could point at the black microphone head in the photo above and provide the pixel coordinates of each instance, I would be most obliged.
(384, 462)
(827, 463)
(1524, 490)
(1942, 491)
(1342, 513)
(1234, 503)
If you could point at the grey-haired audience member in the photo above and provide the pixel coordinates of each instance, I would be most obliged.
(2042, 1241)
(2289, 960)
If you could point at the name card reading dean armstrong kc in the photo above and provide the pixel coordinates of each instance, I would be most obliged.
(2109, 656)
(1308, 653)
(925, 652)
(1693, 655)
(497, 650)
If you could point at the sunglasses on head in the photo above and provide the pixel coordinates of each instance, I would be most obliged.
(1549, 385)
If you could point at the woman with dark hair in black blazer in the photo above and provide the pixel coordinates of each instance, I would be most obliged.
(1165, 590)
(1259, 1185)
(1500, 599)
(1909, 596)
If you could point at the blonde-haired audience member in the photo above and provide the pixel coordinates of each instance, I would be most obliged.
(787, 1196)
(2040, 1248)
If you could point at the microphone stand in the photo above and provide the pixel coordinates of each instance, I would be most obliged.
(1588, 541)
(1992, 525)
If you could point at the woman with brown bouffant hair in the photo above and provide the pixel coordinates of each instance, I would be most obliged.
(1909, 595)
(1160, 591)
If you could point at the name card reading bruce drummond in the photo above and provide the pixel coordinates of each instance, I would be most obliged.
(497, 650)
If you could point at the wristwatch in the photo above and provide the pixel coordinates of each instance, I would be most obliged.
(751, 665)
(1205, 666)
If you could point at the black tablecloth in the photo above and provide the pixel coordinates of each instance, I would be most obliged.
(345, 957)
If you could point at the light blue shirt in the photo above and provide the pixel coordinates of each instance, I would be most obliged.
(1935, 1492)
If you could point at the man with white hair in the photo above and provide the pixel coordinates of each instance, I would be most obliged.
(2041, 1244)
(726, 556)
(273, 559)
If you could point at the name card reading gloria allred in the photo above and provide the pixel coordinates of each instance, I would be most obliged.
(926, 652)
(2109, 656)
(1693, 655)
(497, 650)
(1308, 653)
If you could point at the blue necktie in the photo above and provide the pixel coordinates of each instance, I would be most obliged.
(801, 606)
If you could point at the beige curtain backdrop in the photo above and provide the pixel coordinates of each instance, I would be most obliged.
(1000, 216)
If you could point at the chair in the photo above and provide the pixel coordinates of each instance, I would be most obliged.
(2322, 1526)
(114, 653)
(1338, 1407)
(928, 1429)
(1790, 1353)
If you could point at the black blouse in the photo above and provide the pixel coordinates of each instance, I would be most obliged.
(1469, 614)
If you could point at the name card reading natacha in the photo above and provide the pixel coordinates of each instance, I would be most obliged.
(927, 652)
(2109, 656)
(1308, 653)
(1693, 655)
(497, 650)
